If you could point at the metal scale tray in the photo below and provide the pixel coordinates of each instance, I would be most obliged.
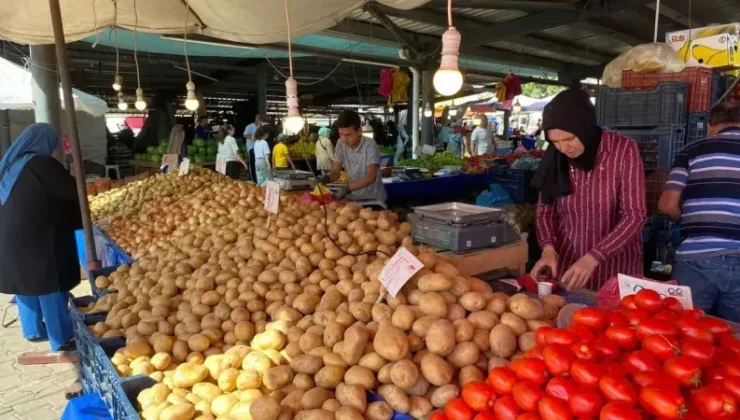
(290, 179)
(460, 227)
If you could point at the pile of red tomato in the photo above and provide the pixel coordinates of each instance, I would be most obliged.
(650, 359)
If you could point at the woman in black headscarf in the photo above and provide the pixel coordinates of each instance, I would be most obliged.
(592, 197)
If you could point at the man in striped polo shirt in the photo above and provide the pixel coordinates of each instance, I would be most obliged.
(703, 193)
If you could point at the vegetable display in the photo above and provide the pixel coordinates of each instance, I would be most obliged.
(302, 149)
(434, 162)
(651, 359)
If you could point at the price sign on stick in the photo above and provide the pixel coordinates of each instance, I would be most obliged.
(185, 167)
(221, 166)
(631, 285)
(398, 270)
(170, 161)
(272, 197)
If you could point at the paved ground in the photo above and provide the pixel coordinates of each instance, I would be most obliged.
(33, 392)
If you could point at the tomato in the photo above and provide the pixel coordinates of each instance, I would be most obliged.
(661, 346)
(628, 302)
(625, 337)
(618, 410)
(456, 409)
(506, 408)
(535, 352)
(695, 313)
(584, 351)
(701, 351)
(648, 300)
(690, 328)
(655, 326)
(586, 373)
(733, 367)
(585, 403)
(539, 335)
(665, 315)
(683, 369)
(641, 361)
(527, 396)
(606, 348)
(530, 370)
(560, 336)
(663, 402)
(715, 373)
(615, 388)
(502, 380)
(716, 326)
(731, 385)
(560, 387)
(438, 415)
(636, 316)
(614, 368)
(582, 332)
(529, 416)
(591, 318)
(643, 379)
(714, 404)
(730, 343)
(551, 408)
(477, 395)
(557, 359)
(484, 415)
(672, 304)
(615, 318)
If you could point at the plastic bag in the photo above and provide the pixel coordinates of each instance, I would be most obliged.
(608, 295)
(495, 196)
(527, 162)
(655, 57)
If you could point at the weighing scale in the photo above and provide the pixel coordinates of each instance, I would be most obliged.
(461, 227)
(293, 180)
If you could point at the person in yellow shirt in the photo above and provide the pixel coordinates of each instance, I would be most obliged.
(280, 154)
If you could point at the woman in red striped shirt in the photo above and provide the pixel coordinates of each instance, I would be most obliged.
(592, 197)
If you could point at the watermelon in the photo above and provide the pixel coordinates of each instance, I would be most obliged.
(192, 150)
(199, 142)
(199, 159)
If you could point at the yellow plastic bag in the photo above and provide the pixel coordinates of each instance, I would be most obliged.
(656, 57)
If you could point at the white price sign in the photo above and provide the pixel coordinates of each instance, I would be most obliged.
(398, 270)
(630, 285)
(221, 166)
(184, 167)
(272, 197)
(170, 161)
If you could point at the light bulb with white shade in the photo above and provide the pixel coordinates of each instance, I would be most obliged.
(448, 80)
(117, 83)
(427, 111)
(294, 122)
(140, 103)
(191, 102)
(122, 105)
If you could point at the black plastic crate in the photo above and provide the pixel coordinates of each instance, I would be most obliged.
(696, 128)
(93, 274)
(658, 146)
(516, 182)
(621, 108)
(123, 398)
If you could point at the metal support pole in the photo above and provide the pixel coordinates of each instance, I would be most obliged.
(507, 123)
(262, 89)
(45, 92)
(61, 49)
(427, 123)
(4, 131)
(413, 110)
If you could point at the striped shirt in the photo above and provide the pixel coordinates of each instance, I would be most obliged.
(604, 214)
(228, 149)
(707, 173)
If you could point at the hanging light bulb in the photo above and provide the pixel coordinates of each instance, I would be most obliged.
(140, 103)
(117, 83)
(367, 130)
(427, 111)
(191, 101)
(517, 108)
(294, 123)
(122, 105)
(390, 109)
(448, 80)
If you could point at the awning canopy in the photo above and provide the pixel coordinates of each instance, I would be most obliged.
(247, 21)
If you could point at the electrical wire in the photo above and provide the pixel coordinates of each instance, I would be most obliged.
(136, 46)
(185, 40)
(657, 18)
(290, 41)
(115, 33)
(95, 25)
(449, 13)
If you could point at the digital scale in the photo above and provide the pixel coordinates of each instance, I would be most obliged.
(293, 180)
(461, 227)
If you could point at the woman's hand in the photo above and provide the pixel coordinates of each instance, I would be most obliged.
(580, 273)
(244, 164)
(549, 259)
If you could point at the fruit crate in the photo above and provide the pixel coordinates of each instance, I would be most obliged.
(658, 146)
(516, 182)
(661, 106)
(93, 274)
(123, 398)
(704, 84)
(696, 128)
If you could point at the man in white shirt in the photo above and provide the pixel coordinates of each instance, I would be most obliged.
(482, 138)
(249, 137)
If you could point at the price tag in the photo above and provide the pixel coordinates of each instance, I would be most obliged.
(221, 166)
(184, 167)
(398, 270)
(170, 161)
(272, 197)
(631, 285)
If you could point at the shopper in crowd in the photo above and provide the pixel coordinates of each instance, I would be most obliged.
(703, 193)
(455, 140)
(402, 139)
(281, 154)
(261, 156)
(359, 156)
(229, 151)
(202, 131)
(592, 197)
(481, 140)
(324, 151)
(249, 132)
(39, 214)
(176, 145)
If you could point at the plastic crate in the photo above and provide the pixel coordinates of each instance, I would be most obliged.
(658, 146)
(622, 108)
(93, 274)
(705, 85)
(516, 182)
(696, 128)
(123, 398)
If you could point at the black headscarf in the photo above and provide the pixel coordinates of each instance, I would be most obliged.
(570, 111)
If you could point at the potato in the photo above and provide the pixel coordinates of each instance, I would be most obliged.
(188, 374)
(353, 345)
(353, 396)
(317, 414)
(227, 379)
(495, 362)
(434, 282)
(470, 374)
(503, 341)
(360, 376)
(207, 391)
(527, 308)
(138, 349)
(390, 343)
(403, 318)
(314, 398)
(514, 322)
(483, 319)
(535, 324)
(223, 404)
(404, 374)
(436, 370)
(496, 305)
(464, 354)
(555, 300)
(307, 364)
(373, 361)
(527, 341)
(271, 339)
(153, 396)
(421, 325)
(419, 407)
(333, 333)
(248, 379)
(472, 301)
(419, 389)
(379, 410)
(440, 338)
(277, 377)
(463, 330)
(481, 338)
(550, 311)
(265, 408)
(348, 413)
(329, 376)
(444, 394)
(331, 405)
(434, 304)
(395, 398)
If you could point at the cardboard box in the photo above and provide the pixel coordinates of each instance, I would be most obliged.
(712, 46)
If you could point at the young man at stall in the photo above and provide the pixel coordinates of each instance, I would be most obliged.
(359, 156)
(703, 193)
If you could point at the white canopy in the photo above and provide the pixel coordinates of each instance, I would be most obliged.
(248, 21)
(16, 92)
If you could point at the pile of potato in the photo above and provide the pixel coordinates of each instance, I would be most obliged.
(240, 319)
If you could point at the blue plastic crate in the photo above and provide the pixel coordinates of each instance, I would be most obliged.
(696, 128)
(621, 108)
(515, 181)
(658, 146)
(93, 274)
(123, 398)
(109, 253)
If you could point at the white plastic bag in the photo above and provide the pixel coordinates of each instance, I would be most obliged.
(655, 57)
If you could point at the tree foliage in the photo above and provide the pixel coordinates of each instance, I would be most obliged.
(539, 91)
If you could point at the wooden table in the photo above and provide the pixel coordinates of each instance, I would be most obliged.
(476, 262)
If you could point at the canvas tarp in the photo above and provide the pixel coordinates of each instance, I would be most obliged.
(248, 21)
